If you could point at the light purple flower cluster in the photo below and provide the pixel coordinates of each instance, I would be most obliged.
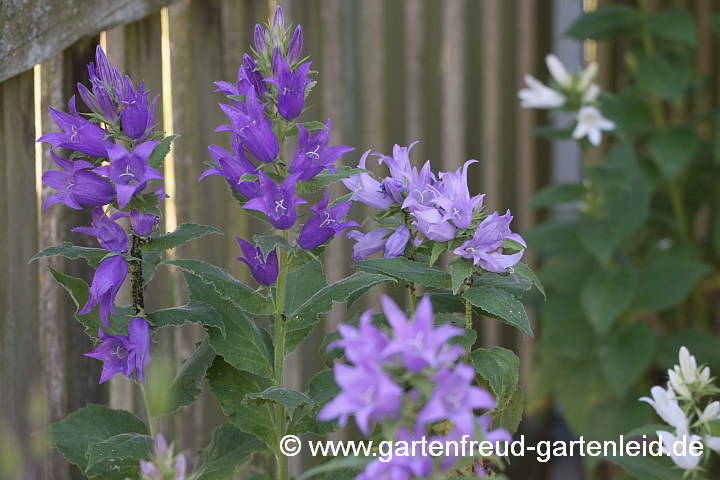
(384, 384)
(121, 130)
(165, 465)
(266, 99)
(416, 206)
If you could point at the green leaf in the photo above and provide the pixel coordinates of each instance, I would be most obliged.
(625, 355)
(557, 194)
(510, 415)
(336, 466)
(311, 126)
(185, 387)
(438, 249)
(66, 249)
(667, 77)
(194, 311)
(667, 281)
(157, 157)
(648, 468)
(268, 243)
(523, 273)
(326, 178)
(151, 260)
(300, 285)
(605, 22)
(500, 305)
(290, 399)
(243, 345)
(672, 149)
(230, 386)
(229, 448)
(178, 237)
(117, 454)
(552, 133)
(92, 425)
(501, 368)
(467, 339)
(321, 389)
(407, 270)
(599, 238)
(702, 344)
(307, 314)
(225, 285)
(605, 295)
(676, 25)
(144, 202)
(460, 270)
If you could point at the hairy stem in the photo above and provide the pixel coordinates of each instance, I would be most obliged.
(136, 274)
(152, 421)
(413, 295)
(468, 315)
(282, 460)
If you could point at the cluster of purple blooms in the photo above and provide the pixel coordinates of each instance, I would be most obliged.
(165, 465)
(379, 387)
(416, 206)
(108, 166)
(266, 98)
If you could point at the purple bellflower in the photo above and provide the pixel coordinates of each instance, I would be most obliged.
(129, 171)
(455, 197)
(247, 78)
(401, 467)
(367, 243)
(295, 46)
(125, 353)
(255, 131)
(418, 343)
(395, 246)
(485, 247)
(264, 269)
(399, 164)
(313, 155)
(259, 38)
(454, 398)
(105, 73)
(433, 224)
(278, 20)
(110, 235)
(109, 277)
(99, 100)
(78, 134)
(78, 186)
(367, 392)
(364, 343)
(233, 166)
(137, 115)
(278, 202)
(164, 465)
(291, 86)
(366, 189)
(421, 188)
(324, 223)
(141, 223)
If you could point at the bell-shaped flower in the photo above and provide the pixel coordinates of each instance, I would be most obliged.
(421, 188)
(367, 243)
(98, 100)
(278, 202)
(539, 95)
(402, 466)
(591, 124)
(264, 269)
(259, 38)
(312, 154)
(455, 198)
(291, 86)
(78, 186)
(454, 398)
(418, 343)
(248, 78)
(324, 223)
(108, 278)
(366, 392)
(233, 166)
(104, 72)
(78, 134)
(485, 248)
(366, 189)
(129, 170)
(110, 235)
(396, 243)
(295, 45)
(137, 115)
(142, 223)
(433, 224)
(399, 164)
(127, 354)
(250, 125)
(364, 343)
(710, 413)
(665, 404)
(686, 460)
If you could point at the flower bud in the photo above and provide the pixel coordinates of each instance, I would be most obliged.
(260, 44)
(296, 45)
(278, 21)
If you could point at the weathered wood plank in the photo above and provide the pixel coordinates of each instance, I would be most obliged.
(33, 30)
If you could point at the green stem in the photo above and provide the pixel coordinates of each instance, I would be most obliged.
(152, 421)
(413, 295)
(468, 315)
(282, 460)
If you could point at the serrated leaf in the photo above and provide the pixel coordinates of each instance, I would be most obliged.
(229, 448)
(311, 126)
(290, 399)
(605, 295)
(66, 249)
(243, 346)
(672, 149)
(336, 466)
(308, 313)
(157, 157)
(438, 249)
(118, 453)
(625, 356)
(667, 77)
(194, 311)
(230, 385)
(460, 270)
(467, 339)
(605, 22)
(665, 282)
(321, 389)
(300, 285)
(178, 237)
(500, 305)
(599, 238)
(151, 260)
(91, 425)
(185, 387)
(648, 468)
(407, 270)
(268, 243)
(523, 273)
(510, 415)
(225, 285)
(557, 194)
(675, 24)
(501, 368)
(144, 202)
(326, 178)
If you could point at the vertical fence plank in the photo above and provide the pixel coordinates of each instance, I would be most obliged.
(20, 366)
(453, 85)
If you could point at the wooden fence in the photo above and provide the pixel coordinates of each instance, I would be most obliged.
(442, 72)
